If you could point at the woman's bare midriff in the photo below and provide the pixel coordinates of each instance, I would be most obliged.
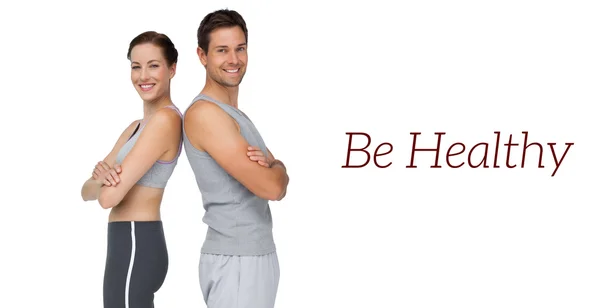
(140, 204)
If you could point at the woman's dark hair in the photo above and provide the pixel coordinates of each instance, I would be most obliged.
(158, 39)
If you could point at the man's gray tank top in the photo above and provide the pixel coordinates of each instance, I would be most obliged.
(239, 222)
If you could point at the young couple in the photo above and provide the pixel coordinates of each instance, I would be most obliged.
(235, 172)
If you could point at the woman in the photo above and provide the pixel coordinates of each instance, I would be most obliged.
(131, 179)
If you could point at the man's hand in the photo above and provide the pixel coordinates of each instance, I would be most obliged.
(106, 175)
(255, 154)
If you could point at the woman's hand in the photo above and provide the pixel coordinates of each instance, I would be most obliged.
(106, 175)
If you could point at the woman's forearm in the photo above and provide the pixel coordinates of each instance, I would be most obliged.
(91, 190)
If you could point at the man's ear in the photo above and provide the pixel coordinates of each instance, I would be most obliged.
(202, 56)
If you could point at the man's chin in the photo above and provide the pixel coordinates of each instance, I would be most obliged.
(230, 84)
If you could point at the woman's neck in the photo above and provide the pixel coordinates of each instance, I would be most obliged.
(150, 107)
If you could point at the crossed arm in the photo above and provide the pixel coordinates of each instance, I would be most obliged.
(216, 132)
(91, 188)
(154, 141)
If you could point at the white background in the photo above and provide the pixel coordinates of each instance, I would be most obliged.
(368, 237)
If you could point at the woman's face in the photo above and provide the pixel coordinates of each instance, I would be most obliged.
(150, 73)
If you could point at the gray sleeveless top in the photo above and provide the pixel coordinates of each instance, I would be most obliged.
(239, 222)
(158, 175)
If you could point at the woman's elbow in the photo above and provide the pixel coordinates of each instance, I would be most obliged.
(107, 201)
(84, 196)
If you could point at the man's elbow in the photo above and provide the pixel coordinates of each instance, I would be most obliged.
(276, 191)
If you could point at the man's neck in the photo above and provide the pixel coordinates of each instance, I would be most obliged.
(225, 95)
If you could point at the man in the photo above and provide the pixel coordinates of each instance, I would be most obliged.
(235, 172)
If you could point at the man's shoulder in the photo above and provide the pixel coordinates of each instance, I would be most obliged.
(206, 117)
(202, 110)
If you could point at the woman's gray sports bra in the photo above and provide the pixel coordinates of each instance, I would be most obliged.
(160, 172)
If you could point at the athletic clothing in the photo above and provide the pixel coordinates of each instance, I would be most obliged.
(158, 175)
(137, 257)
(238, 263)
(239, 281)
(136, 264)
(239, 222)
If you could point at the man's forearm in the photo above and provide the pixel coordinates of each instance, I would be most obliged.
(284, 177)
(277, 162)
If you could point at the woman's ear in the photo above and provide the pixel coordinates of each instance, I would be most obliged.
(172, 70)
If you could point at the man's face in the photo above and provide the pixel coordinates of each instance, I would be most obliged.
(226, 57)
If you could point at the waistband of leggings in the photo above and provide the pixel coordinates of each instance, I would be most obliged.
(138, 225)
